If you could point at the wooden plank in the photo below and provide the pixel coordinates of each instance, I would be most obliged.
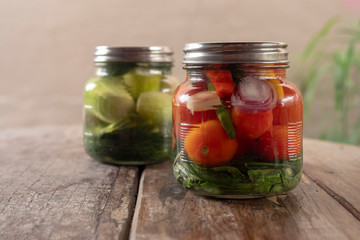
(164, 210)
(336, 168)
(50, 188)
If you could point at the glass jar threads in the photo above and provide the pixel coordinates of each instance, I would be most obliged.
(127, 105)
(237, 121)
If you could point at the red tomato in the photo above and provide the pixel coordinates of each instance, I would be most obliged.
(251, 124)
(245, 146)
(222, 81)
(281, 142)
(290, 108)
(209, 145)
(181, 114)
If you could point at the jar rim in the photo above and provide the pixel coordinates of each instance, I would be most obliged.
(133, 54)
(265, 52)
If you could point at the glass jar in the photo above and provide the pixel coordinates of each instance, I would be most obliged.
(237, 121)
(127, 105)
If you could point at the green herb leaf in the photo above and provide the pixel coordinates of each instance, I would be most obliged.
(226, 121)
(118, 68)
(236, 74)
(224, 117)
(248, 178)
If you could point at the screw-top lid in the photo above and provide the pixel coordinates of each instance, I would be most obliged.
(133, 54)
(236, 52)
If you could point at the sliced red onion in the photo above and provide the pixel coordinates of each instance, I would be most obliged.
(254, 94)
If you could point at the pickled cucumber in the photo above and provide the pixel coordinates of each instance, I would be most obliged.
(155, 106)
(108, 99)
(169, 84)
(138, 81)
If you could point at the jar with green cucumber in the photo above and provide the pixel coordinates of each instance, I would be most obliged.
(127, 105)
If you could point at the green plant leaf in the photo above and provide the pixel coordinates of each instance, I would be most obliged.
(310, 92)
(340, 64)
(318, 37)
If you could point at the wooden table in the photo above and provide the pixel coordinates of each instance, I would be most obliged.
(50, 189)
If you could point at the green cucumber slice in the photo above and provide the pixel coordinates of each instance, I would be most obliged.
(138, 81)
(108, 99)
(155, 106)
(169, 84)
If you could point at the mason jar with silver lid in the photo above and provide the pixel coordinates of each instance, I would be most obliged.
(127, 105)
(237, 121)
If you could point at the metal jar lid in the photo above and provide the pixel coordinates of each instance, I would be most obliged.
(133, 54)
(236, 52)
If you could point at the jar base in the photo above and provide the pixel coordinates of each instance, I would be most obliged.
(130, 163)
(229, 196)
(112, 152)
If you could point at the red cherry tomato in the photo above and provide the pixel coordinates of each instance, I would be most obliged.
(281, 142)
(251, 124)
(290, 108)
(245, 146)
(209, 145)
(181, 114)
(222, 81)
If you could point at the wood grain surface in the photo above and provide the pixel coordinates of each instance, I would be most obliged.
(164, 210)
(50, 188)
(336, 168)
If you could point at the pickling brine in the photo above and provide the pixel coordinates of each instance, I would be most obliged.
(237, 121)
